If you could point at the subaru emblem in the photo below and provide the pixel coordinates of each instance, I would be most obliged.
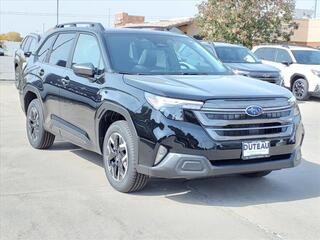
(254, 111)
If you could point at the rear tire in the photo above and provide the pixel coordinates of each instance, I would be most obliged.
(120, 158)
(256, 174)
(38, 137)
(300, 88)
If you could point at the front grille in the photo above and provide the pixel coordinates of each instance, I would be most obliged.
(227, 119)
(270, 80)
(219, 116)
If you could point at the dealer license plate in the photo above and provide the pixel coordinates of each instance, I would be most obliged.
(255, 149)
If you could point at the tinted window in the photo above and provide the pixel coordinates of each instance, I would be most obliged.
(311, 57)
(27, 44)
(43, 51)
(283, 56)
(146, 53)
(33, 45)
(87, 51)
(268, 54)
(61, 50)
(209, 48)
(23, 43)
(235, 55)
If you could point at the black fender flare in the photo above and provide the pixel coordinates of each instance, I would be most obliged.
(33, 89)
(110, 106)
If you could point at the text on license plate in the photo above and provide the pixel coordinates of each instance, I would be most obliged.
(255, 149)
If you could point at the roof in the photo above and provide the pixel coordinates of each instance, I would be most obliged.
(221, 44)
(176, 22)
(287, 46)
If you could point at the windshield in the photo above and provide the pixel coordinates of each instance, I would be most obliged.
(236, 55)
(149, 53)
(310, 57)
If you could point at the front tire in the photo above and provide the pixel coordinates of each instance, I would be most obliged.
(120, 158)
(256, 174)
(38, 137)
(300, 88)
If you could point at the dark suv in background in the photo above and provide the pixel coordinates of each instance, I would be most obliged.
(243, 62)
(138, 98)
(21, 55)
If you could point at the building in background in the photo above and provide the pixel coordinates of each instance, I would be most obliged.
(308, 32)
(181, 25)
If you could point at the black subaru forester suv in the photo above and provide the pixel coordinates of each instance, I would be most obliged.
(155, 104)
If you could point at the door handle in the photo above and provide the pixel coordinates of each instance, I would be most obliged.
(41, 72)
(65, 81)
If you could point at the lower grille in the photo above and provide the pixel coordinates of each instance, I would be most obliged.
(228, 162)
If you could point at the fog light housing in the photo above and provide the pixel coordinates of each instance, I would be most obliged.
(162, 152)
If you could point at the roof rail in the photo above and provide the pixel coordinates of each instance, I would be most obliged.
(94, 25)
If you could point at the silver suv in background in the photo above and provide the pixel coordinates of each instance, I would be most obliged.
(27, 47)
(243, 62)
(300, 67)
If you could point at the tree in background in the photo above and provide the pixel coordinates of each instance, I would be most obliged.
(11, 36)
(247, 22)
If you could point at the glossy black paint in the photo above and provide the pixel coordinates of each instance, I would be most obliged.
(80, 109)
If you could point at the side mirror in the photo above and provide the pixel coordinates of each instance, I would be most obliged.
(84, 69)
(286, 63)
(27, 54)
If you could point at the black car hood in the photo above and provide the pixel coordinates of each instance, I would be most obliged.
(252, 67)
(204, 87)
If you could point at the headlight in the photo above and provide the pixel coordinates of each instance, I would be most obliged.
(170, 107)
(240, 72)
(293, 102)
(316, 72)
(281, 79)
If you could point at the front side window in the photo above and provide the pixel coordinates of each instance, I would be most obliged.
(61, 50)
(148, 53)
(235, 55)
(87, 51)
(44, 49)
(310, 57)
(266, 53)
(283, 56)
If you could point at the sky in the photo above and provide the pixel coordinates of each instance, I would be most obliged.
(26, 16)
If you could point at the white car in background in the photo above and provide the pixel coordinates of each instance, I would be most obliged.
(300, 67)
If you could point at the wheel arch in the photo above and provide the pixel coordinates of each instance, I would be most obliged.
(107, 114)
(295, 77)
(29, 93)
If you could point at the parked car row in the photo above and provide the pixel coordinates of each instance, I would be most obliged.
(157, 104)
(243, 62)
(300, 67)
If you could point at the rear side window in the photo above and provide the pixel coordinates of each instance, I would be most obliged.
(87, 51)
(61, 50)
(44, 49)
(283, 56)
(266, 53)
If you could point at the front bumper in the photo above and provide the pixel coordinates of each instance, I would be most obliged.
(193, 153)
(176, 165)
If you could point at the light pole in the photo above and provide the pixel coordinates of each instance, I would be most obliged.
(57, 12)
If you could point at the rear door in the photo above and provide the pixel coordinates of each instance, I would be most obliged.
(53, 71)
(80, 95)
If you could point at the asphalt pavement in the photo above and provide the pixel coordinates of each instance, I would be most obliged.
(62, 193)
